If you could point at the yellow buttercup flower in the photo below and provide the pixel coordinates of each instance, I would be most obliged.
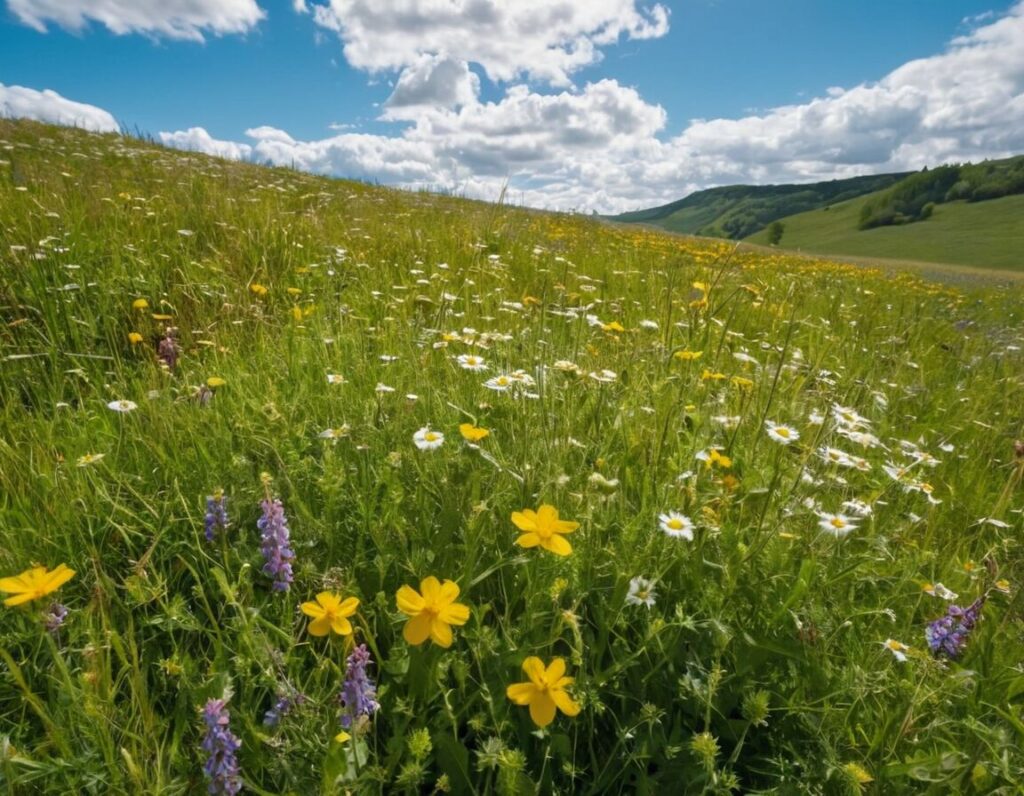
(432, 611)
(140, 304)
(34, 583)
(542, 527)
(688, 356)
(214, 382)
(545, 691)
(134, 338)
(472, 433)
(258, 289)
(614, 326)
(330, 613)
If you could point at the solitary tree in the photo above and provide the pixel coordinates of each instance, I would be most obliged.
(775, 232)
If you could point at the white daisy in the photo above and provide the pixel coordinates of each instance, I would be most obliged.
(123, 406)
(898, 649)
(383, 388)
(641, 592)
(335, 433)
(427, 440)
(836, 524)
(677, 525)
(471, 362)
(335, 378)
(784, 435)
(940, 591)
(500, 383)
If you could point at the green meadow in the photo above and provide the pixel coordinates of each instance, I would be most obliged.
(701, 520)
(985, 234)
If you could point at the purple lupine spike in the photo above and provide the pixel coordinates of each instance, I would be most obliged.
(358, 693)
(277, 554)
(216, 515)
(285, 703)
(55, 616)
(221, 767)
(948, 634)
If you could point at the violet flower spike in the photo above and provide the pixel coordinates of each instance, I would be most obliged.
(54, 617)
(948, 634)
(216, 515)
(358, 693)
(221, 767)
(274, 536)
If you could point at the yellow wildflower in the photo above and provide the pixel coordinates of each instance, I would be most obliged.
(134, 338)
(258, 289)
(688, 356)
(140, 304)
(545, 691)
(542, 527)
(214, 382)
(472, 433)
(709, 375)
(614, 326)
(34, 583)
(330, 612)
(432, 611)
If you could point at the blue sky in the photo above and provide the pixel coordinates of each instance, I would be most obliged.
(709, 60)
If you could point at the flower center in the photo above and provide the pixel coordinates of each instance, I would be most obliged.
(838, 523)
(782, 432)
(430, 436)
(675, 524)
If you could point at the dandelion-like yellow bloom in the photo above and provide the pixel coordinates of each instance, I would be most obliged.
(34, 583)
(432, 611)
(330, 613)
(258, 289)
(140, 304)
(472, 433)
(214, 382)
(542, 527)
(688, 356)
(545, 691)
(134, 338)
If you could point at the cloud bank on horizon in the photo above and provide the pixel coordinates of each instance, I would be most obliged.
(599, 146)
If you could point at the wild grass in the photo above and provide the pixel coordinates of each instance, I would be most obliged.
(761, 665)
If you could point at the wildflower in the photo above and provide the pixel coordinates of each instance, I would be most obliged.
(848, 417)
(545, 691)
(741, 383)
(641, 592)
(1002, 585)
(614, 326)
(566, 366)
(283, 705)
(427, 440)
(335, 378)
(836, 524)
(500, 383)
(712, 458)
(123, 406)
(784, 435)
(899, 650)
(816, 418)
(606, 486)
(604, 376)
(381, 389)
(948, 634)
(835, 456)
(652, 325)
(472, 433)
(140, 304)
(542, 527)
(258, 289)
(89, 458)
(335, 433)
(274, 537)
(34, 583)
(358, 692)
(330, 613)
(471, 362)
(168, 349)
(676, 525)
(221, 767)
(54, 617)
(940, 591)
(707, 375)
(728, 422)
(215, 381)
(134, 338)
(432, 611)
(216, 514)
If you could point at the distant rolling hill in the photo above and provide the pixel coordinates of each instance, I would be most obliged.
(736, 211)
(987, 234)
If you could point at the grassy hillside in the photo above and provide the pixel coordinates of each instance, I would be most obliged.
(314, 487)
(985, 234)
(735, 211)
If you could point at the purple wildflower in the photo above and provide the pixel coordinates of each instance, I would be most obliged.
(222, 745)
(277, 555)
(55, 616)
(948, 634)
(284, 705)
(216, 514)
(358, 693)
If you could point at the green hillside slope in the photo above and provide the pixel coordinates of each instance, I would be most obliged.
(982, 234)
(735, 211)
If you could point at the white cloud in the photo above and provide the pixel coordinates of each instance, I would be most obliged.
(18, 102)
(543, 40)
(173, 19)
(196, 139)
(436, 81)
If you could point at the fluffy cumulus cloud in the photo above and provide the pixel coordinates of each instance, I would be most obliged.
(540, 39)
(174, 19)
(197, 139)
(602, 147)
(18, 102)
